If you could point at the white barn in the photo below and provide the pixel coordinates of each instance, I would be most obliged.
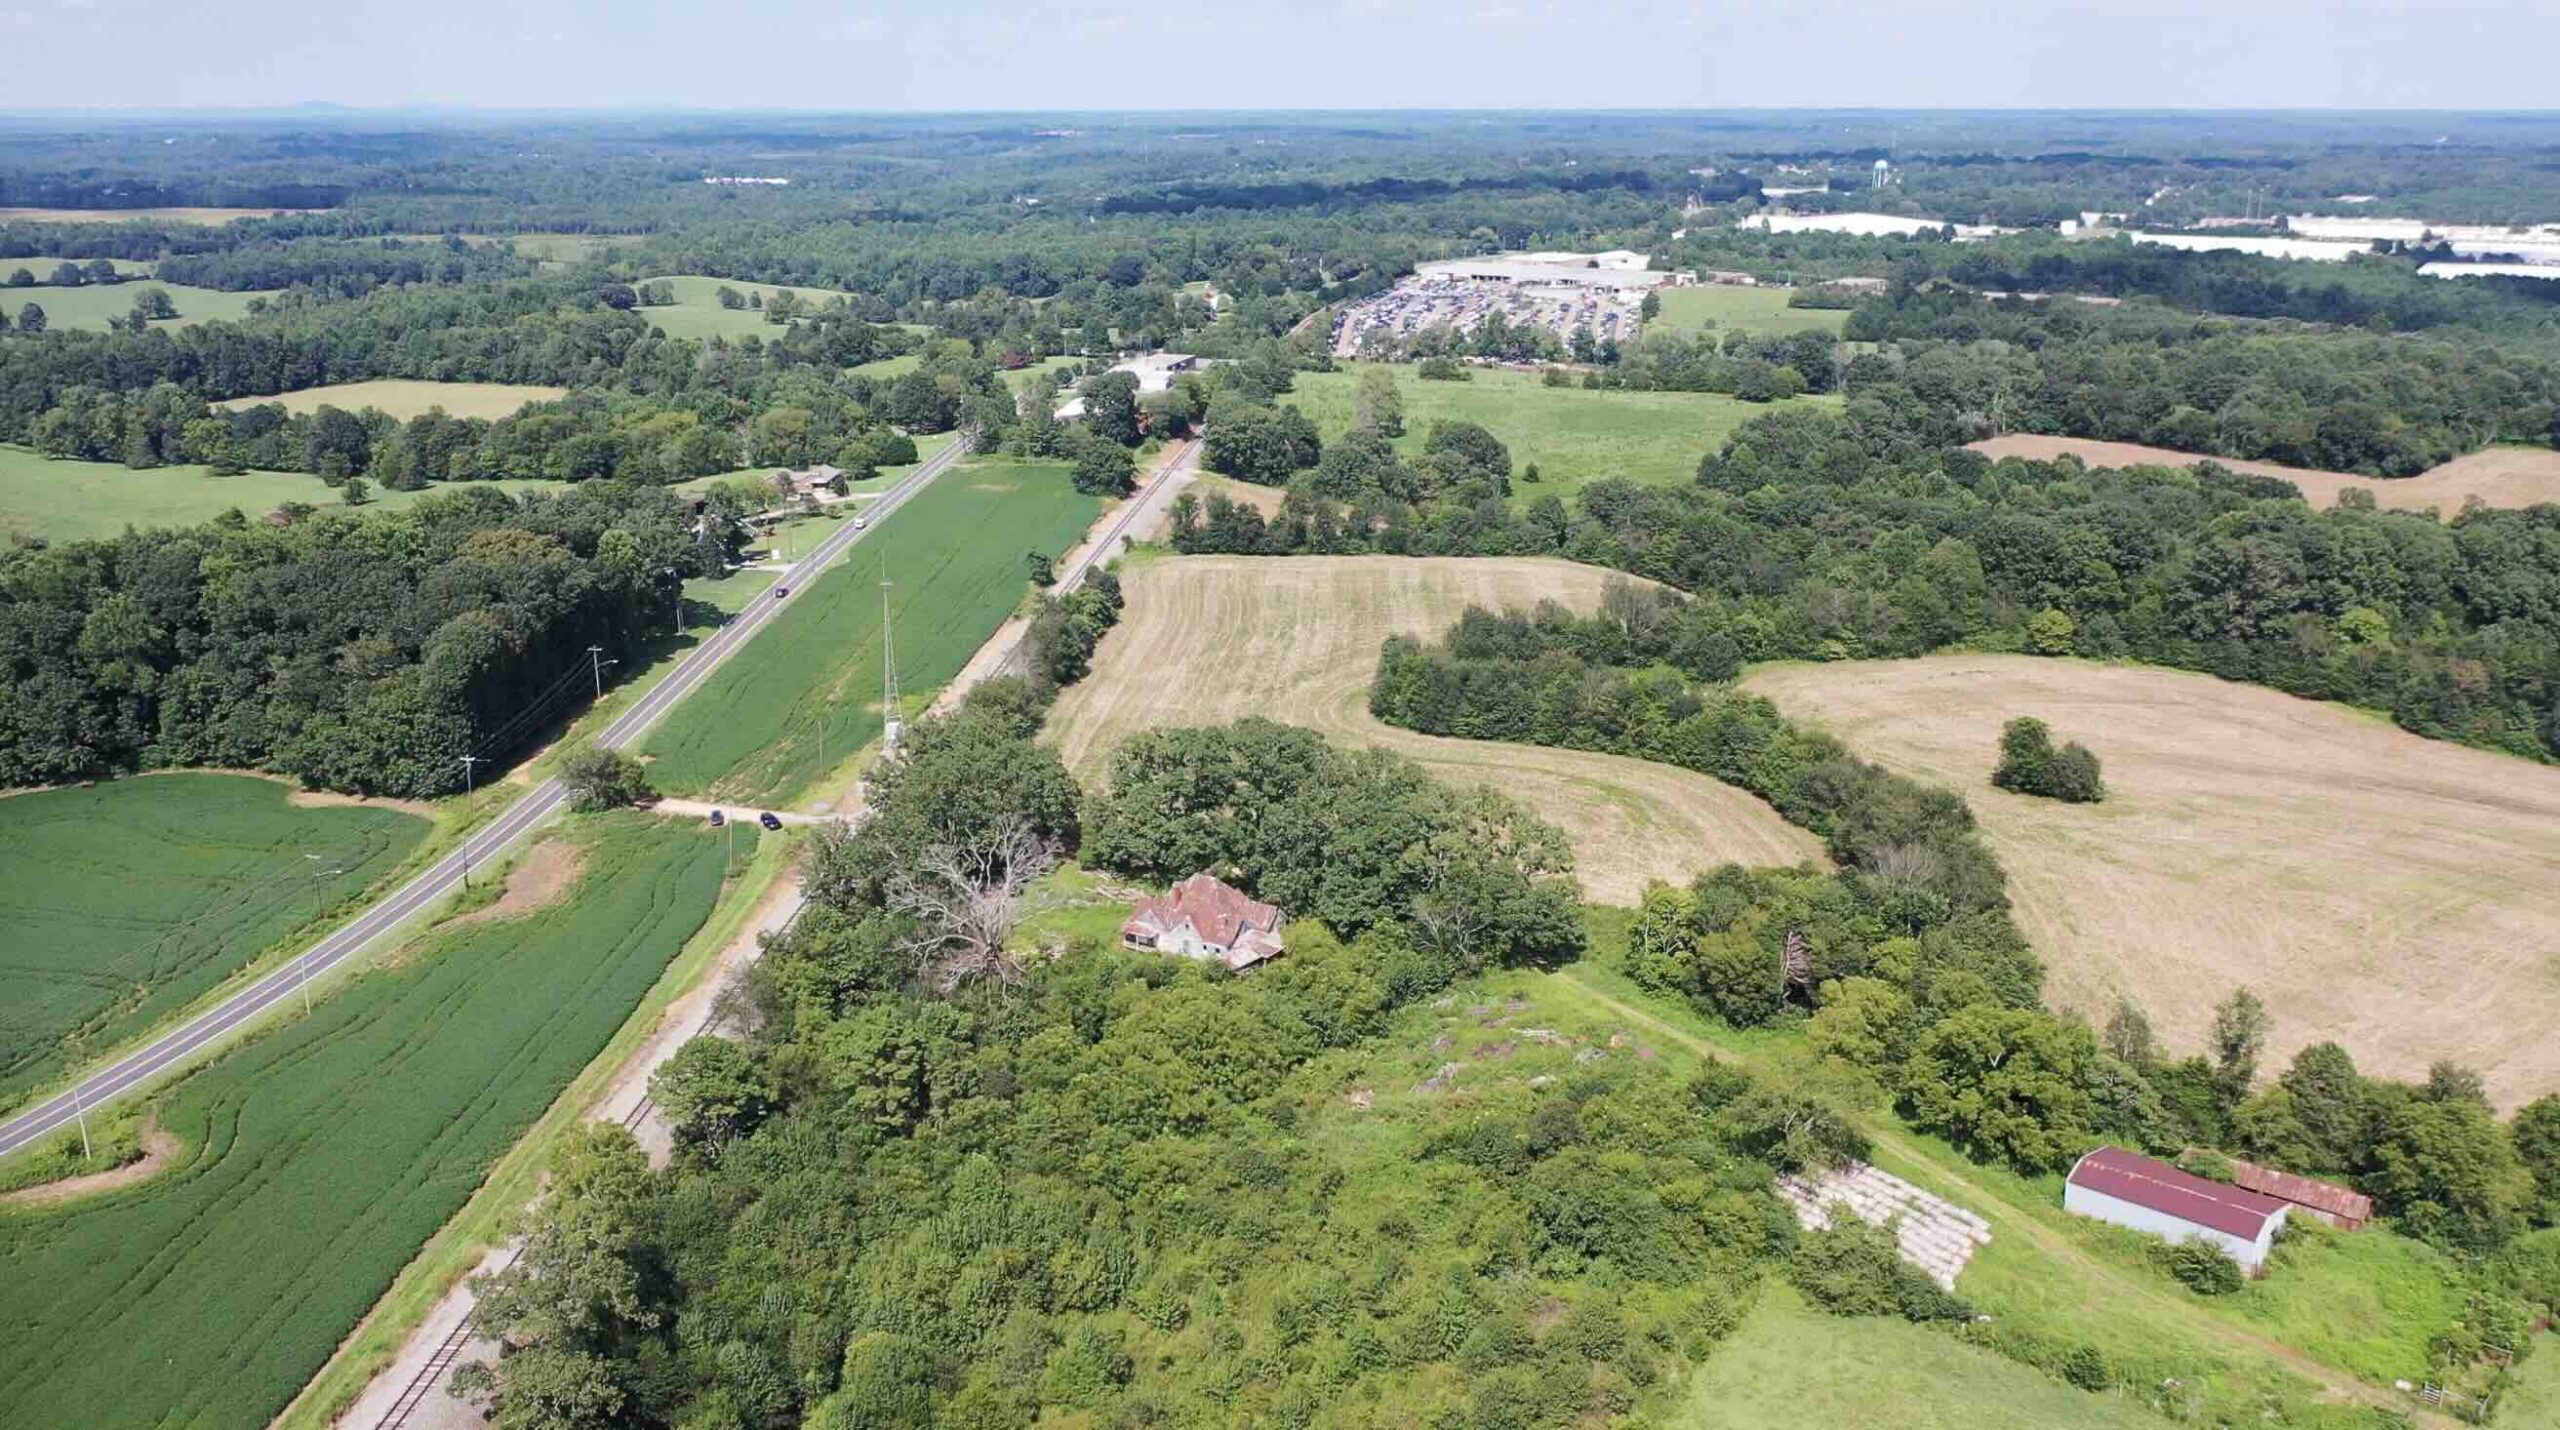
(2148, 1195)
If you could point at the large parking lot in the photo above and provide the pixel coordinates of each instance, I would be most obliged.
(1562, 293)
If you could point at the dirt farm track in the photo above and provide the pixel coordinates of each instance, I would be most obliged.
(2396, 894)
(1208, 639)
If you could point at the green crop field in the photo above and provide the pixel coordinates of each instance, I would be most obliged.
(79, 501)
(123, 903)
(805, 696)
(1574, 436)
(323, 1155)
(93, 306)
(405, 398)
(1735, 309)
(697, 313)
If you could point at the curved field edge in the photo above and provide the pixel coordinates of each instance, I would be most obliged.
(124, 901)
(489, 1219)
(212, 1295)
(2497, 476)
(2387, 891)
(805, 695)
(1210, 639)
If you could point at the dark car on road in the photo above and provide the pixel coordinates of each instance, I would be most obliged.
(718, 819)
(769, 820)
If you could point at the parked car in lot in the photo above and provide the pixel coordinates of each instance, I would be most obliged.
(769, 820)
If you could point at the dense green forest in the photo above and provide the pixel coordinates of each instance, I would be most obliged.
(360, 652)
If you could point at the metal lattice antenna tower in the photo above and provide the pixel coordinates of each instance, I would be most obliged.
(891, 726)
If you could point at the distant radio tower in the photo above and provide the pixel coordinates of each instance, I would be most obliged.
(891, 726)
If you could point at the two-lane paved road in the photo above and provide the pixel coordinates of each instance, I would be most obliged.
(486, 844)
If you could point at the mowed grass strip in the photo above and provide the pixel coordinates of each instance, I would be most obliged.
(405, 398)
(64, 500)
(1575, 436)
(123, 903)
(322, 1156)
(805, 694)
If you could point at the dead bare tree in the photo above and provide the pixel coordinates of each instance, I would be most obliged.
(967, 898)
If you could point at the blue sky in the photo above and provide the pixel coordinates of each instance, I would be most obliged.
(1220, 54)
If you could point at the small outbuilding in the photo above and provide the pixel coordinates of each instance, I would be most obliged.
(2346, 1210)
(2130, 1190)
(1205, 917)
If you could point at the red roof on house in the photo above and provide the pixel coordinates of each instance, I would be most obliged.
(2149, 1182)
(1220, 913)
(2310, 1192)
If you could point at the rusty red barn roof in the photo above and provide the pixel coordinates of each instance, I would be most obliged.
(2149, 1182)
(2310, 1192)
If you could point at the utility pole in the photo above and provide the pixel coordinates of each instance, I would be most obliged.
(81, 1109)
(316, 876)
(467, 762)
(595, 662)
(891, 726)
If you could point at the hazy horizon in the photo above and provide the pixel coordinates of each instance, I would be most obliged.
(976, 56)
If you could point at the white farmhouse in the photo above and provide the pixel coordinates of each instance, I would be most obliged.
(1205, 918)
(2148, 1195)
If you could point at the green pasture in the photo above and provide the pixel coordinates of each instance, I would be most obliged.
(320, 1157)
(804, 697)
(1573, 435)
(697, 313)
(82, 501)
(1727, 309)
(94, 305)
(1790, 1364)
(125, 902)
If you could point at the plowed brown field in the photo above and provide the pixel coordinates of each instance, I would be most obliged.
(1209, 639)
(2396, 894)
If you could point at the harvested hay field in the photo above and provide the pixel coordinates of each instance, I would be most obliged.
(2392, 893)
(405, 398)
(2498, 476)
(1208, 639)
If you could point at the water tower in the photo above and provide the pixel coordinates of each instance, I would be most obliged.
(1883, 172)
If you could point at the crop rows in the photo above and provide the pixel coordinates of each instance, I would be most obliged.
(806, 694)
(321, 1156)
(122, 903)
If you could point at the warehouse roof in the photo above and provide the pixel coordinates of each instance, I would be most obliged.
(2154, 1184)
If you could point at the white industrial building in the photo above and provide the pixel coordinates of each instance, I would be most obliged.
(2130, 1190)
